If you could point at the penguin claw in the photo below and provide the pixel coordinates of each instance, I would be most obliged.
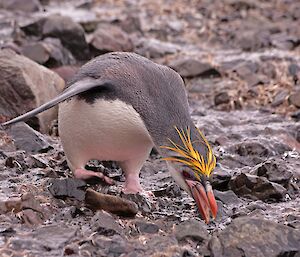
(84, 174)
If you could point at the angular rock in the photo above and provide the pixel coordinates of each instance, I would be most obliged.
(256, 187)
(110, 203)
(222, 98)
(247, 236)
(193, 229)
(21, 5)
(220, 179)
(69, 187)
(279, 98)
(48, 52)
(294, 99)
(27, 139)
(104, 224)
(147, 227)
(251, 148)
(70, 33)
(296, 115)
(227, 197)
(153, 48)
(26, 85)
(110, 38)
(144, 205)
(192, 68)
(275, 171)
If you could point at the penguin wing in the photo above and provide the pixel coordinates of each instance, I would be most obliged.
(75, 89)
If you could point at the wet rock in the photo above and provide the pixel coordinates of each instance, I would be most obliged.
(193, 229)
(222, 98)
(48, 52)
(256, 187)
(70, 33)
(147, 227)
(104, 224)
(20, 5)
(110, 203)
(153, 48)
(294, 99)
(275, 171)
(26, 85)
(193, 68)
(144, 205)
(247, 236)
(69, 187)
(110, 38)
(27, 139)
(227, 197)
(220, 179)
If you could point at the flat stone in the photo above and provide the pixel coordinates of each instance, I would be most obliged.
(104, 224)
(192, 68)
(294, 99)
(69, 187)
(247, 236)
(193, 229)
(27, 139)
(227, 197)
(146, 227)
(256, 187)
(20, 5)
(280, 97)
(110, 38)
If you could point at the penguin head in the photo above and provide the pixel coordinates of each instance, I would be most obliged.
(190, 162)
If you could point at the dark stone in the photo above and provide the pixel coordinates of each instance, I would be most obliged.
(227, 197)
(296, 115)
(193, 229)
(280, 97)
(110, 38)
(294, 99)
(21, 5)
(247, 236)
(147, 227)
(220, 179)
(27, 139)
(194, 68)
(251, 148)
(256, 187)
(294, 70)
(69, 187)
(143, 204)
(70, 33)
(105, 224)
(275, 171)
(222, 98)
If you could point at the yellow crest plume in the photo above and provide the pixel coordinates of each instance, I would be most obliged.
(189, 156)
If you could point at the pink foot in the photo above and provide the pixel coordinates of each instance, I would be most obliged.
(88, 174)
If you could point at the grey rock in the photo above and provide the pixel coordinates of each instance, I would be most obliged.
(26, 85)
(294, 99)
(227, 197)
(220, 179)
(275, 171)
(255, 237)
(69, 187)
(153, 48)
(256, 187)
(296, 115)
(279, 98)
(146, 227)
(110, 38)
(27, 139)
(193, 229)
(104, 224)
(144, 205)
(221, 98)
(192, 68)
(251, 148)
(21, 5)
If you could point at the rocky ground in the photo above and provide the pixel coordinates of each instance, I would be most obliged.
(241, 64)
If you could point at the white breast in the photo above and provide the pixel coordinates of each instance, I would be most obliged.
(104, 130)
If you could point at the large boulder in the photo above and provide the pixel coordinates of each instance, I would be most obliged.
(255, 237)
(26, 85)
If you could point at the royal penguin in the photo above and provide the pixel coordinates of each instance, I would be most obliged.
(118, 107)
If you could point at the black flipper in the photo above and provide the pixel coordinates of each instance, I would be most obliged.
(75, 89)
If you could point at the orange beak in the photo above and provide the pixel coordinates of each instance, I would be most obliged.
(204, 198)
